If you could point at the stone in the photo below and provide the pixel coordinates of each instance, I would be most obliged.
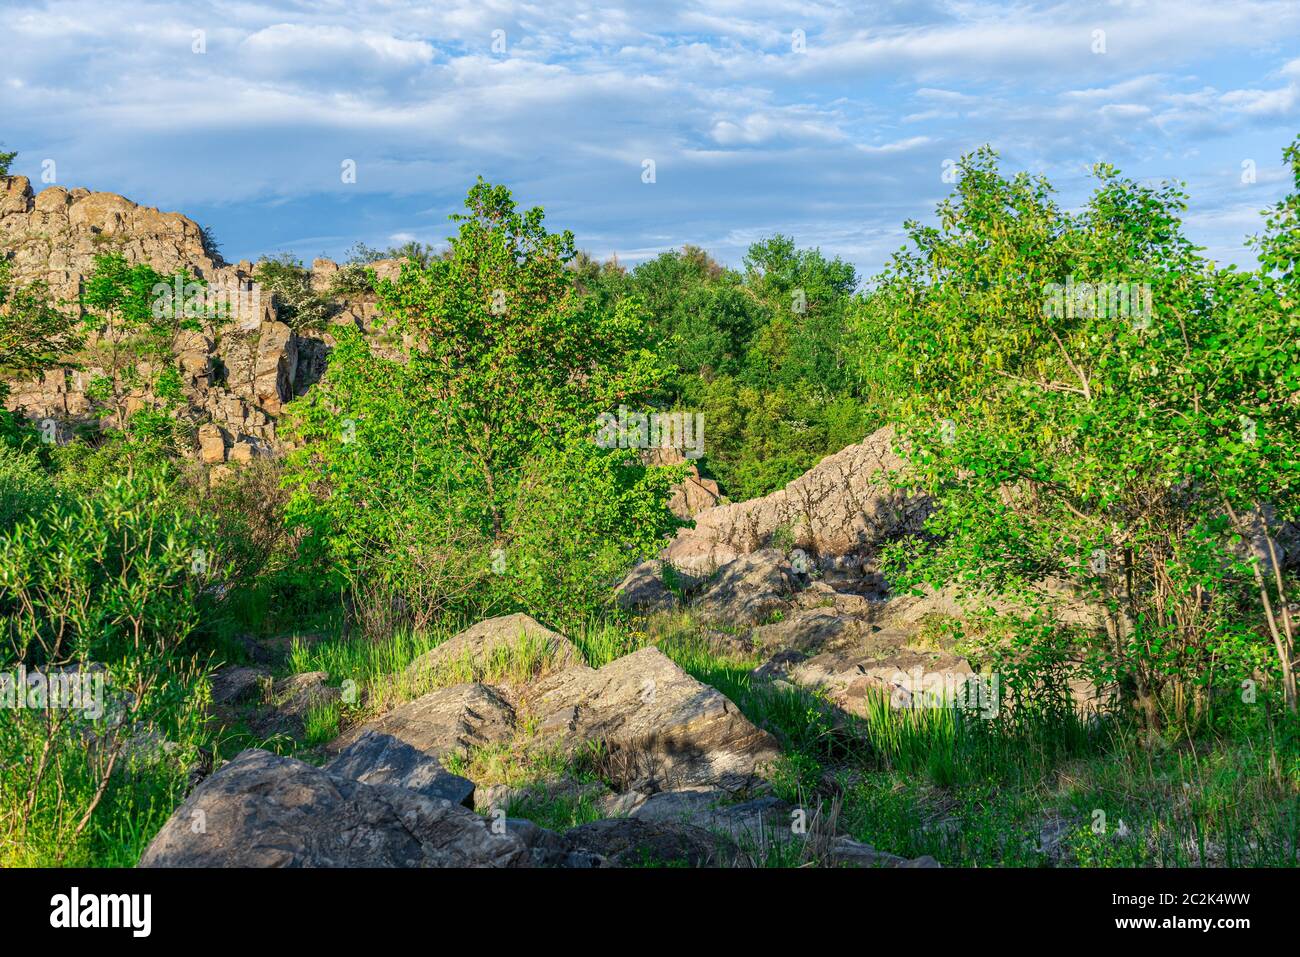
(237, 684)
(644, 590)
(450, 720)
(264, 810)
(663, 728)
(291, 699)
(212, 444)
(628, 842)
(748, 590)
(851, 677)
(378, 758)
(478, 647)
(844, 505)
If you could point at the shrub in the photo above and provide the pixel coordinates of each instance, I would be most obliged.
(107, 587)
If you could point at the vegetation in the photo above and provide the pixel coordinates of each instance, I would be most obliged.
(1098, 412)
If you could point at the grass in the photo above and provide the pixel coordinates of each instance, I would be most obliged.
(1032, 789)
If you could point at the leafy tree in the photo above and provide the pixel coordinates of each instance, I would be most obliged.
(6, 160)
(1100, 442)
(495, 403)
(34, 333)
(132, 331)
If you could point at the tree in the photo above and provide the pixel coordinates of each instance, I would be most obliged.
(503, 346)
(454, 451)
(34, 333)
(1088, 400)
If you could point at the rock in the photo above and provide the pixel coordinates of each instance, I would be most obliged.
(236, 684)
(644, 590)
(487, 647)
(846, 852)
(851, 676)
(628, 842)
(694, 493)
(844, 505)
(548, 849)
(748, 590)
(759, 821)
(778, 666)
(291, 699)
(809, 630)
(263, 810)
(663, 728)
(449, 720)
(377, 758)
(212, 444)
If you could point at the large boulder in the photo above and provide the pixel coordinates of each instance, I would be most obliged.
(644, 589)
(263, 810)
(450, 720)
(663, 728)
(377, 758)
(495, 649)
(844, 505)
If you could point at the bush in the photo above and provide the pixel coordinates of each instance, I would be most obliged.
(107, 587)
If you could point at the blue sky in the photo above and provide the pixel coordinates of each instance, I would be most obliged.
(835, 140)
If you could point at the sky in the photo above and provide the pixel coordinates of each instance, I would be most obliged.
(831, 122)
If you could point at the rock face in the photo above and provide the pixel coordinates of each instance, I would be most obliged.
(664, 729)
(843, 506)
(236, 378)
(749, 589)
(261, 810)
(55, 236)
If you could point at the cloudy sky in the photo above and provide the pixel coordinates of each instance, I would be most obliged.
(831, 121)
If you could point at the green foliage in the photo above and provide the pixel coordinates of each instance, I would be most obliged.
(34, 332)
(109, 585)
(134, 319)
(6, 160)
(289, 281)
(413, 473)
(1113, 446)
(25, 487)
(762, 353)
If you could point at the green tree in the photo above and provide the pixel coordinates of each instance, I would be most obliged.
(35, 335)
(132, 325)
(1069, 433)
(458, 447)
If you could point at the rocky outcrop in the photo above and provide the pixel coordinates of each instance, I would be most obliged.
(262, 810)
(663, 728)
(236, 375)
(843, 507)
